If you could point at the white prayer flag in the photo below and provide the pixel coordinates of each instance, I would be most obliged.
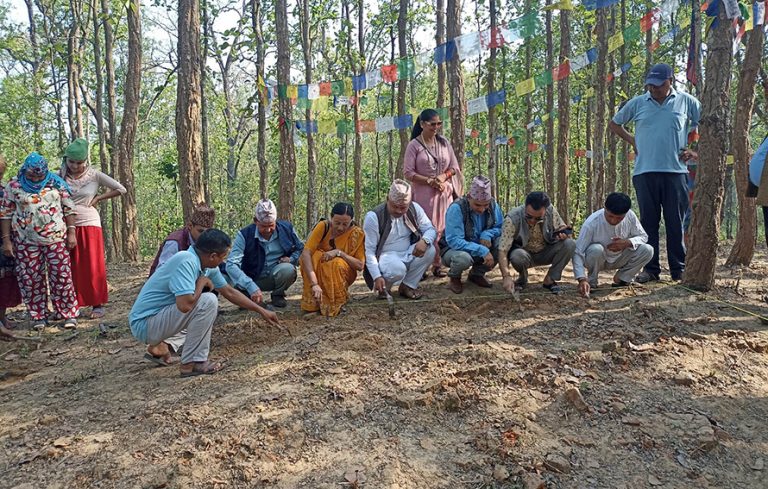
(477, 105)
(759, 10)
(373, 78)
(313, 91)
(732, 8)
(468, 45)
(384, 124)
(579, 62)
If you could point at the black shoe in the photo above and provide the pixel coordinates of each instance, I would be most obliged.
(621, 283)
(645, 277)
(279, 301)
(677, 277)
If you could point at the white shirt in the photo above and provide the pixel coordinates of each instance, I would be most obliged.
(596, 230)
(398, 241)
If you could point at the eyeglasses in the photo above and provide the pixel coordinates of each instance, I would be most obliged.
(434, 124)
(529, 217)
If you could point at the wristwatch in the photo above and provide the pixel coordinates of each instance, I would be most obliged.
(426, 240)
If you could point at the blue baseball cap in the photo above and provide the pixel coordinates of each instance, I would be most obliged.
(658, 74)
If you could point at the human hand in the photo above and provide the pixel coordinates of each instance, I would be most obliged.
(330, 255)
(317, 293)
(509, 284)
(688, 155)
(488, 260)
(486, 243)
(618, 244)
(71, 239)
(379, 284)
(270, 316)
(285, 259)
(95, 201)
(257, 297)
(420, 248)
(563, 233)
(8, 248)
(584, 288)
(204, 282)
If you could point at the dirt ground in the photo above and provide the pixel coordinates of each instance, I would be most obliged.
(644, 387)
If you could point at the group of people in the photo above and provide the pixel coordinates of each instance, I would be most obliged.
(51, 229)
(426, 222)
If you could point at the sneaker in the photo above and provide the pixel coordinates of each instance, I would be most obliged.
(554, 287)
(621, 283)
(645, 277)
(279, 301)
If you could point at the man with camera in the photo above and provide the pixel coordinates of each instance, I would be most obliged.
(532, 235)
(611, 238)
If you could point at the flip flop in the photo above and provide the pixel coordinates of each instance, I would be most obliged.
(160, 361)
(209, 368)
(97, 313)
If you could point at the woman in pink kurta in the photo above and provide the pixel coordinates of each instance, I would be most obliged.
(431, 166)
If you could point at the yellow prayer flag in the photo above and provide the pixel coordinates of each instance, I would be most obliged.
(685, 21)
(615, 41)
(729, 160)
(525, 87)
(327, 126)
(637, 60)
(748, 25)
(561, 5)
(293, 91)
(320, 104)
(545, 118)
(590, 92)
(348, 90)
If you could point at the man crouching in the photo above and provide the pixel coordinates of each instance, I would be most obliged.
(173, 300)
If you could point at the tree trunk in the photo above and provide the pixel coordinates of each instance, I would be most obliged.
(564, 121)
(708, 199)
(358, 151)
(696, 21)
(402, 83)
(493, 151)
(37, 116)
(111, 111)
(127, 138)
(188, 110)
(456, 81)
(306, 48)
(204, 105)
(625, 88)
(286, 191)
(549, 165)
(590, 193)
(744, 246)
(528, 158)
(598, 152)
(261, 114)
(440, 39)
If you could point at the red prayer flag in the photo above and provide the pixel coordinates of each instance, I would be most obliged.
(511, 141)
(609, 78)
(533, 147)
(562, 71)
(581, 153)
(389, 73)
(646, 22)
(493, 38)
(655, 45)
(631, 157)
(325, 89)
(475, 133)
(366, 126)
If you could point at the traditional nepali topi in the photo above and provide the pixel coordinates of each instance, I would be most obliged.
(77, 150)
(265, 211)
(480, 189)
(400, 192)
(203, 216)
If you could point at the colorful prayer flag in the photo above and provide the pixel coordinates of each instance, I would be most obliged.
(405, 68)
(598, 4)
(525, 87)
(326, 126)
(445, 52)
(358, 82)
(303, 104)
(631, 33)
(615, 41)
(320, 104)
(492, 38)
(389, 73)
(468, 45)
(477, 105)
(293, 91)
(325, 89)
(343, 126)
(496, 98)
(313, 91)
(543, 79)
(372, 78)
(337, 87)
(366, 126)
(403, 121)
(562, 71)
(384, 124)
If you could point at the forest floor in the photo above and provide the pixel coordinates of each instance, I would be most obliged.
(644, 387)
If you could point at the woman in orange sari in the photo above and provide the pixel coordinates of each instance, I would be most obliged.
(332, 256)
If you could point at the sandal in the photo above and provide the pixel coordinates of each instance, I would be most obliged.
(163, 361)
(97, 312)
(39, 325)
(409, 293)
(70, 323)
(439, 272)
(203, 368)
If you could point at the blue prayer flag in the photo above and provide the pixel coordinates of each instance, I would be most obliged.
(445, 52)
(358, 82)
(404, 121)
(496, 98)
(592, 55)
(303, 91)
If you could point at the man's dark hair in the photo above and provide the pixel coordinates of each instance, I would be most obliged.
(618, 203)
(213, 241)
(537, 200)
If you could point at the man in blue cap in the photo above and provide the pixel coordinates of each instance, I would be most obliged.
(663, 119)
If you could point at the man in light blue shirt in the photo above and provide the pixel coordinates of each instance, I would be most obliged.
(472, 230)
(265, 255)
(172, 301)
(663, 119)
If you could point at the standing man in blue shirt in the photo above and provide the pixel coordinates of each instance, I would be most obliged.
(471, 239)
(663, 118)
(172, 304)
(265, 255)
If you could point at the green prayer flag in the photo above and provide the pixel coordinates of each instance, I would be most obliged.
(337, 88)
(528, 24)
(282, 91)
(363, 100)
(443, 113)
(343, 126)
(303, 103)
(543, 79)
(632, 32)
(405, 68)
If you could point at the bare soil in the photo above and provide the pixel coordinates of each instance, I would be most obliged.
(645, 387)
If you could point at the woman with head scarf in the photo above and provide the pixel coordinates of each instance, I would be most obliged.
(89, 272)
(38, 207)
(431, 166)
(332, 256)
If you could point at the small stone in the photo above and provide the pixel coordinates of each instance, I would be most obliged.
(557, 463)
(500, 473)
(573, 395)
(759, 464)
(592, 464)
(611, 346)
(409, 401)
(684, 379)
(618, 406)
(632, 420)
(62, 442)
(453, 402)
(652, 480)
(532, 481)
